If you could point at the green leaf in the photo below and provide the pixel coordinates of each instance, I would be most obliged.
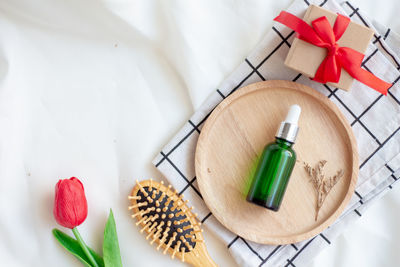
(111, 253)
(75, 249)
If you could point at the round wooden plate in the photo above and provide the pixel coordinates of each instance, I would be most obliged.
(234, 136)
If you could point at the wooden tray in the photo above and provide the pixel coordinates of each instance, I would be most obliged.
(234, 136)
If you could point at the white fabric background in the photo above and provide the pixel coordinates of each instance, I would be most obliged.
(94, 89)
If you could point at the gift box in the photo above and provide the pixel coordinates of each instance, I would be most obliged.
(306, 58)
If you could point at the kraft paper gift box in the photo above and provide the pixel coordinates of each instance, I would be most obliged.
(306, 58)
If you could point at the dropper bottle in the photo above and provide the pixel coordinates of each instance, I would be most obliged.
(276, 164)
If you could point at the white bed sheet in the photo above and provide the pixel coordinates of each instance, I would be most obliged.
(94, 89)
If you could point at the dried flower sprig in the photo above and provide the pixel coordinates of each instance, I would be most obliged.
(322, 184)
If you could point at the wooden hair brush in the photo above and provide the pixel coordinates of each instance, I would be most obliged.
(168, 221)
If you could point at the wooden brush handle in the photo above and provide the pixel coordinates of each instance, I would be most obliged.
(203, 259)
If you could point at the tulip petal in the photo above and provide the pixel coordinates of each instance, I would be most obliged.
(70, 205)
(72, 245)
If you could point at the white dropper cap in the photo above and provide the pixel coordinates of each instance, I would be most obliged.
(293, 114)
(289, 128)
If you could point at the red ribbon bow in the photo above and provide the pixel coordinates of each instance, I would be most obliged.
(321, 34)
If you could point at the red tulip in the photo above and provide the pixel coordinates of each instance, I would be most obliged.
(70, 205)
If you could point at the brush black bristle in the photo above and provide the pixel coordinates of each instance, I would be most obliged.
(176, 229)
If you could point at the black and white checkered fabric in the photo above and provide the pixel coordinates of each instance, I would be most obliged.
(375, 120)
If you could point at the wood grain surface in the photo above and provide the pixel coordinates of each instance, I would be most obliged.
(234, 136)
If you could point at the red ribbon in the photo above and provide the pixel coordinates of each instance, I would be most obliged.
(321, 34)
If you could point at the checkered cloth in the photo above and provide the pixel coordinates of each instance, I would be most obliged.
(374, 118)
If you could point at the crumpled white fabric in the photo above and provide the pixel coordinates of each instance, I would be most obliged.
(94, 89)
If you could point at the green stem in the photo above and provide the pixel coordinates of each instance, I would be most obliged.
(84, 247)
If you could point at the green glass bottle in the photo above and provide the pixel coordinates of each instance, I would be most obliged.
(276, 165)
